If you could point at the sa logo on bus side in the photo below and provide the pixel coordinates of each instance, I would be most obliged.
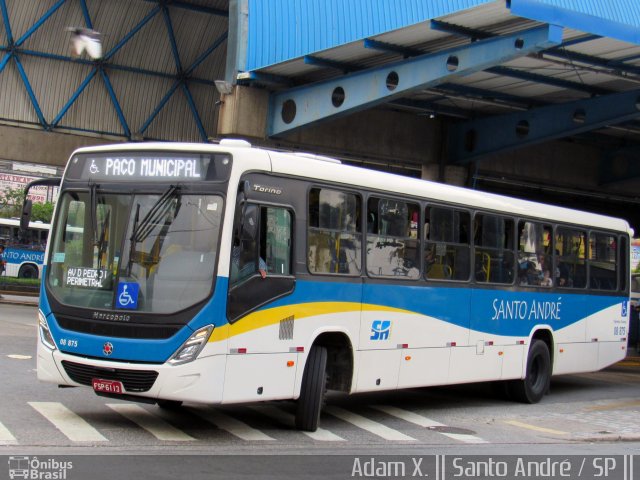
(380, 330)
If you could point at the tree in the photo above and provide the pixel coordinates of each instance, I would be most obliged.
(11, 202)
(11, 206)
(42, 212)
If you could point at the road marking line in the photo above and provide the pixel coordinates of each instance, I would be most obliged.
(5, 436)
(367, 424)
(288, 419)
(233, 426)
(153, 424)
(613, 406)
(70, 424)
(425, 422)
(17, 356)
(515, 423)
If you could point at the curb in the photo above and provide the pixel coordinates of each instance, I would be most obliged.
(17, 300)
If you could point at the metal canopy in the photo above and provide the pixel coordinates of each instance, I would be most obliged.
(295, 108)
(595, 59)
(154, 80)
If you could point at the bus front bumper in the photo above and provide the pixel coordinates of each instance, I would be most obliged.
(199, 381)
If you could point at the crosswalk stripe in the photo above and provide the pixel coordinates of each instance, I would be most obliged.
(231, 425)
(425, 422)
(5, 436)
(70, 424)
(153, 424)
(288, 419)
(367, 424)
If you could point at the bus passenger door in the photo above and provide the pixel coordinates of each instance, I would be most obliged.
(261, 363)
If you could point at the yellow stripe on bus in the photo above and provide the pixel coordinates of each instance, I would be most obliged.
(265, 318)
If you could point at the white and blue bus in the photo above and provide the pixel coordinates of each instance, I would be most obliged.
(24, 249)
(154, 289)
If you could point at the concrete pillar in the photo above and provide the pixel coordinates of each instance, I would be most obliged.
(243, 113)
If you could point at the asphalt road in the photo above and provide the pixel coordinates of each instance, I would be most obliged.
(595, 414)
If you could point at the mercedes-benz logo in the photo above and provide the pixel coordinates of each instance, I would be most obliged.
(107, 348)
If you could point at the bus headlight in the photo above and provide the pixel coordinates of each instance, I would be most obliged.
(192, 347)
(45, 334)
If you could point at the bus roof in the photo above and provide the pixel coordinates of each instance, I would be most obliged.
(326, 169)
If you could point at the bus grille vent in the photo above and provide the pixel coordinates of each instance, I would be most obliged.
(286, 328)
(133, 380)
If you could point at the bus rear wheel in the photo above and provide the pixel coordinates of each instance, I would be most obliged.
(314, 384)
(28, 271)
(538, 376)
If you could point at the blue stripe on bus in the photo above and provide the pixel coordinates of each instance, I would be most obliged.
(17, 256)
(498, 312)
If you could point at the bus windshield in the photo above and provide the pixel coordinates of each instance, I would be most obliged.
(153, 253)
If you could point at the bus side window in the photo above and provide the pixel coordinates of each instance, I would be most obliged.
(334, 232)
(535, 247)
(602, 261)
(494, 258)
(447, 244)
(393, 246)
(570, 268)
(276, 240)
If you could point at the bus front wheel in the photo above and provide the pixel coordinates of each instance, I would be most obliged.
(538, 376)
(28, 271)
(314, 384)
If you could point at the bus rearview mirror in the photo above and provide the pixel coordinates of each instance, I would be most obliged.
(25, 217)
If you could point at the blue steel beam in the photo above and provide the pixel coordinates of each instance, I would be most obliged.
(7, 23)
(391, 48)
(593, 61)
(471, 140)
(546, 80)
(5, 60)
(32, 95)
(74, 97)
(7, 28)
(194, 112)
(193, 7)
(160, 106)
(203, 56)
(116, 104)
(85, 14)
(172, 38)
(471, 33)
(39, 23)
(303, 106)
(108, 66)
(197, 62)
(130, 35)
(325, 63)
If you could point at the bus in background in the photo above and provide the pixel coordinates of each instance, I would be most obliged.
(154, 287)
(24, 250)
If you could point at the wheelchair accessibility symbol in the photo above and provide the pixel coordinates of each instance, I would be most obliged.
(127, 295)
(93, 168)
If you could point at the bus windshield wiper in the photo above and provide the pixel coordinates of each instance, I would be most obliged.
(102, 242)
(140, 232)
(93, 217)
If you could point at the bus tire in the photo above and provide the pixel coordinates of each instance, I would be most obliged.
(537, 378)
(314, 383)
(28, 271)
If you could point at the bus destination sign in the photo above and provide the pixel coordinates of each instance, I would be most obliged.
(141, 167)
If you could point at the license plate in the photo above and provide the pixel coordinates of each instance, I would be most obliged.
(107, 386)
